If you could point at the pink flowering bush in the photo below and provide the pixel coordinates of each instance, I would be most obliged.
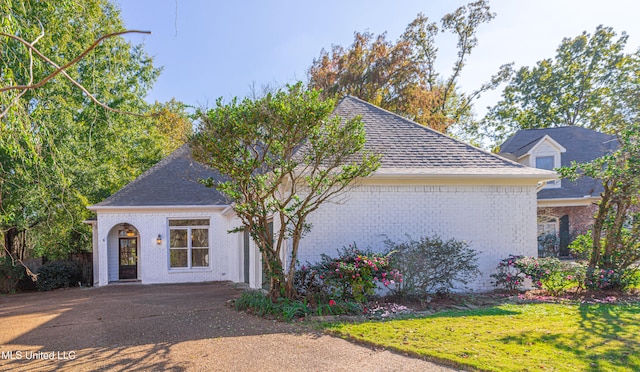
(615, 279)
(548, 273)
(508, 275)
(551, 274)
(353, 275)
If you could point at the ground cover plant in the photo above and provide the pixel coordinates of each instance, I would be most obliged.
(515, 337)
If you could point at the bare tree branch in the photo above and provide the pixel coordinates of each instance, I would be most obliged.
(61, 70)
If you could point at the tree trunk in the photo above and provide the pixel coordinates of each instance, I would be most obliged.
(596, 233)
(10, 240)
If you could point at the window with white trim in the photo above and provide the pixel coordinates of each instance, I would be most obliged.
(189, 243)
(548, 162)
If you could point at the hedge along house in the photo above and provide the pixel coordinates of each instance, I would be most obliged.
(165, 227)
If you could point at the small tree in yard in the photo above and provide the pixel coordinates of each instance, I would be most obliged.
(615, 236)
(282, 156)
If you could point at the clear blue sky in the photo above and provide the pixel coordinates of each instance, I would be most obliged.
(210, 49)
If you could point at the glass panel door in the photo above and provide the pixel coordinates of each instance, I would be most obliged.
(128, 258)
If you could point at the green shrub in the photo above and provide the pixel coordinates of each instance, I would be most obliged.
(548, 273)
(619, 271)
(59, 274)
(10, 273)
(614, 279)
(552, 274)
(258, 303)
(432, 265)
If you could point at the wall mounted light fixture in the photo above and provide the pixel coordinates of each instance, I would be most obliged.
(159, 239)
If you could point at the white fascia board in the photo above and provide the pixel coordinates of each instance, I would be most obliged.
(540, 176)
(568, 202)
(155, 208)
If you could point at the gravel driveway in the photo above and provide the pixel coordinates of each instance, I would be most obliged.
(183, 327)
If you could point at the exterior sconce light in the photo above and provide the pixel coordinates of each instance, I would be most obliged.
(159, 239)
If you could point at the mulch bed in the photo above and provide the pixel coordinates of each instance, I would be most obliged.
(389, 306)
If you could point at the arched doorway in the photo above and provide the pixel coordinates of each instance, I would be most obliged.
(127, 252)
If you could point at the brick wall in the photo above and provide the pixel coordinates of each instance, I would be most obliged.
(496, 220)
(580, 217)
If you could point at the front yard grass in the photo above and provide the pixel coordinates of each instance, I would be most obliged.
(515, 337)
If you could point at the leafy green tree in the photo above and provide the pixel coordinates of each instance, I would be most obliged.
(577, 87)
(401, 76)
(615, 235)
(67, 137)
(283, 156)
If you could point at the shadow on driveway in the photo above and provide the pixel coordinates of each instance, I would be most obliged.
(165, 327)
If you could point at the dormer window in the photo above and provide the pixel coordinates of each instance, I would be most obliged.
(545, 162)
(548, 162)
(544, 153)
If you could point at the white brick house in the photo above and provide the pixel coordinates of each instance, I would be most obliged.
(165, 227)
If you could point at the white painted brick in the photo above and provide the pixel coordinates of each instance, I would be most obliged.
(496, 220)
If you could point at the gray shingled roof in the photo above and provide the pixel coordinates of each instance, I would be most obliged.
(406, 147)
(582, 145)
(171, 182)
(410, 148)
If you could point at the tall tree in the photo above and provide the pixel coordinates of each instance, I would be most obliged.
(577, 87)
(614, 248)
(401, 76)
(59, 149)
(283, 156)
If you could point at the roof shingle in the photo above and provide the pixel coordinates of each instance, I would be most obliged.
(582, 145)
(171, 182)
(407, 148)
(405, 144)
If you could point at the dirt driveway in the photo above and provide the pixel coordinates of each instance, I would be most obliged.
(168, 328)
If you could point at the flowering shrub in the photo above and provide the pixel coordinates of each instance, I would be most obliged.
(508, 275)
(609, 278)
(354, 274)
(10, 274)
(619, 270)
(548, 273)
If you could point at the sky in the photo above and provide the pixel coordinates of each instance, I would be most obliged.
(210, 49)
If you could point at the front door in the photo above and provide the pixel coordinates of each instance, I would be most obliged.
(128, 258)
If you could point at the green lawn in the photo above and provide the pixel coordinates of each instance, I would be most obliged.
(531, 337)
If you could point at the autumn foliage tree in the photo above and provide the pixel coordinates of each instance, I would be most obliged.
(401, 76)
(282, 156)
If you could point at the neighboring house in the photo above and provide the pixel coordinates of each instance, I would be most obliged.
(165, 227)
(565, 208)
